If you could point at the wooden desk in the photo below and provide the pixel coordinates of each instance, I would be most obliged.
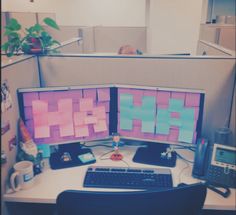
(51, 182)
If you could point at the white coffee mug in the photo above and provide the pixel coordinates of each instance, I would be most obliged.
(23, 177)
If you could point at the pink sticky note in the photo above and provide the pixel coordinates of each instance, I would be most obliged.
(41, 132)
(53, 118)
(90, 93)
(29, 97)
(75, 95)
(79, 118)
(86, 104)
(160, 106)
(163, 97)
(66, 130)
(39, 107)
(99, 112)
(81, 131)
(192, 100)
(65, 118)
(161, 137)
(137, 122)
(103, 94)
(175, 115)
(65, 105)
(40, 119)
(90, 120)
(178, 95)
(150, 93)
(53, 107)
(100, 126)
(174, 134)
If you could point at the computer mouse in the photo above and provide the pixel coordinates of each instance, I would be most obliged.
(181, 185)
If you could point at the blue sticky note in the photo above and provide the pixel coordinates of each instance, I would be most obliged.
(126, 113)
(45, 150)
(185, 136)
(149, 102)
(187, 114)
(175, 122)
(126, 100)
(126, 124)
(162, 128)
(136, 113)
(163, 115)
(176, 105)
(188, 125)
(148, 126)
(146, 115)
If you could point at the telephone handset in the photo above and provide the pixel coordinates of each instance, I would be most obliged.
(216, 164)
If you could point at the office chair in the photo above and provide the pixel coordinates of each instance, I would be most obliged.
(184, 200)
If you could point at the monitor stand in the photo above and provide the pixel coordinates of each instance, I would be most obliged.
(68, 156)
(152, 155)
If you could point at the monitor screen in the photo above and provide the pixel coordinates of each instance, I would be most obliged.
(59, 115)
(160, 114)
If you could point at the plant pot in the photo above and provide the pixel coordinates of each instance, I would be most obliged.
(35, 46)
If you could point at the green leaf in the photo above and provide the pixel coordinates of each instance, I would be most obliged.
(5, 46)
(50, 22)
(13, 25)
(36, 28)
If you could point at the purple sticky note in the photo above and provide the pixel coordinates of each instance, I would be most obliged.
(163, 97)
(75, 95)
(65, 105)
(90, 93)
(178, 95)
(160, 106)
(137, 122)
(137, 97)
(192, 100)
(29, 97)
(28, 113)
(103, 94)
(175, 115)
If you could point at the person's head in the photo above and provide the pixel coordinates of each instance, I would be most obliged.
(116, 137)
(129, 50)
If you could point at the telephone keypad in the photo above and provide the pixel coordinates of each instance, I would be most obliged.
(219, 175)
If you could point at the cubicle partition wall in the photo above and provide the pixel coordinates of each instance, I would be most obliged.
(214, 75)
(18, 72)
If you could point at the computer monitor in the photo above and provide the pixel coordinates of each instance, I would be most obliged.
(159, 116)
(66, 115)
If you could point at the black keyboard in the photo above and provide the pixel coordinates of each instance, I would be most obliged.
(127, 178)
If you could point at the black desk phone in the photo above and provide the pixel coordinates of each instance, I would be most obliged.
(216, 164)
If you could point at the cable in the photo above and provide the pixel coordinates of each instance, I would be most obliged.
(181, 172)
(181, 157)
(125, 163)
(105, 154)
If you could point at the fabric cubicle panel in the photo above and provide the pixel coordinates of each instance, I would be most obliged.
(215, 75)
(20, 72)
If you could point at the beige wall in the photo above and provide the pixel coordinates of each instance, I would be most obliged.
(174, 26)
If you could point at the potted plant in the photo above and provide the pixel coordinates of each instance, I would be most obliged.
(36, 39)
